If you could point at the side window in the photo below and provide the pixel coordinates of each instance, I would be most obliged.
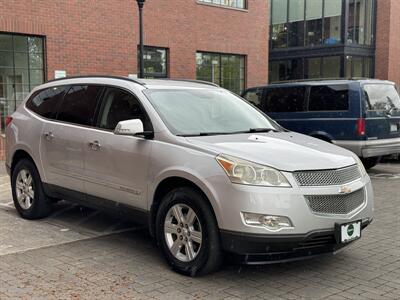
(254, 96)
(290, 99)
(79, 104)
(119, 105)
(46, 102)
(329, 98)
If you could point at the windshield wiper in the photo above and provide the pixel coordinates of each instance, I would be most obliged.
(251, 130)
(206, 134)
(256, 130)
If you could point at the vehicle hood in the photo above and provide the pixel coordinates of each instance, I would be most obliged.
(286, 151)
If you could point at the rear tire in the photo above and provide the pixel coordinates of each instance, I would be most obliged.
(187, 233)
(370, 162)
(27, 190)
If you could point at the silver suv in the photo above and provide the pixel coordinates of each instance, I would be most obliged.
(206, 170)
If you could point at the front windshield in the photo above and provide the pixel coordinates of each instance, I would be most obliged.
(189, 112)
(382, 97)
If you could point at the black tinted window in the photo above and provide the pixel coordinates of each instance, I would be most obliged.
(291, 99)
(79, 104)
(46, 102)
(254, 96)
(329, 98)
(119, 105)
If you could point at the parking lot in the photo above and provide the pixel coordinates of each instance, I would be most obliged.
(80, 253)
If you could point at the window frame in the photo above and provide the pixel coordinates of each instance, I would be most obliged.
(220, 54)
(100, 107)
(244, 8)
(167, 60)
(13, 102)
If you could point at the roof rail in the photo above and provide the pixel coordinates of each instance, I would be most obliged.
(100, 76)
(191, 80)
(320, 79)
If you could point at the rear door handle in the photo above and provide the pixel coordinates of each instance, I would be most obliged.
(95, 145)
(48, 135)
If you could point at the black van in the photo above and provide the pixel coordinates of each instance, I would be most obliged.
(360, 115)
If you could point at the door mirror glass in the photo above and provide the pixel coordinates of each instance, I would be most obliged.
(129, 127)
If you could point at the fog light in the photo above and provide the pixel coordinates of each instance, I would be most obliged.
(273, 223)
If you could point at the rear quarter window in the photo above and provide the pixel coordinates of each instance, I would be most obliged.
(45, 103)
(329, 98)
(290, 99)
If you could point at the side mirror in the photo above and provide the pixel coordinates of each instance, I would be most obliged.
(132, 128)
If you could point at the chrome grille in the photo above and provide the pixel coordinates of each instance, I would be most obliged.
(336, 204)
(327, 177)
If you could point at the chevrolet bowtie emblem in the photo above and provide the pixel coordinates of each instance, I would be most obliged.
(345, 190)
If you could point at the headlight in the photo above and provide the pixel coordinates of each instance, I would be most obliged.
(245, 172)
(360, 166)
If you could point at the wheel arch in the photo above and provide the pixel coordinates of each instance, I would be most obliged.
(21, 154)
(171, 182)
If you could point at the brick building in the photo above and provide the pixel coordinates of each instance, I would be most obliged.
(234, 43)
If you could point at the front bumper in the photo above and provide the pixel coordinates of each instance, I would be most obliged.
(371, 148)
(289, 202)
(267, 249)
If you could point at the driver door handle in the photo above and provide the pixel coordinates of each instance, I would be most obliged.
(95, 145)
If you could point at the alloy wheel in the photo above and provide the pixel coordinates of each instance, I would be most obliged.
(183, 233)
(24, 189)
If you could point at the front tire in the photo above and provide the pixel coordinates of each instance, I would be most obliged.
(187, 232)
(27, 190)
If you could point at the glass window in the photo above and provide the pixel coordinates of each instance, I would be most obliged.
(368, 68)
(296, 23)
(279, 32)
(313, 67)
(202, 112)
(279, 11)
(79, 104)
(226, 70)
(291, 99)
(155, 62)
(6, 42)
(357, 67)
(382, 97)
(369, 23)
(228, 3)
(254, 96)
(20, 43)
(46, 102)
(331, 67)
(21, 68)
(119, 105)
(332, 22)
(278, 71)
(329, 98)
(313, 22)
(360, 22)
(279, 35)
(295, 69)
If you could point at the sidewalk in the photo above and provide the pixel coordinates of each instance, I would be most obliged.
(3, 171)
